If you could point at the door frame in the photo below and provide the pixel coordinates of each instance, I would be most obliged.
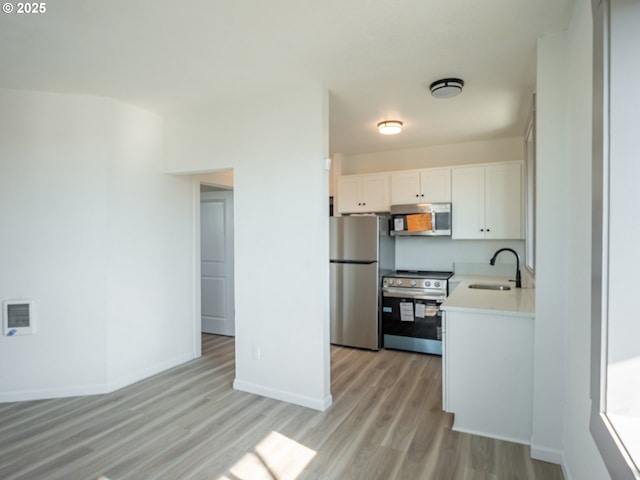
(223, 196)
(196, 321)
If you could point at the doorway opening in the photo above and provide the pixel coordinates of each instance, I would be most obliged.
(216, 259)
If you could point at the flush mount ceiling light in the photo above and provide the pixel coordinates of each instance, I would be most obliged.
(446, 88)
(390, 127)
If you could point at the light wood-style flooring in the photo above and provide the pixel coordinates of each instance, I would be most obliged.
(386, 422)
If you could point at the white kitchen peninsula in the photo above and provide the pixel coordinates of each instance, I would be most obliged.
(488, 359)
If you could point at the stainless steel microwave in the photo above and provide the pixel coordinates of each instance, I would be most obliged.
(421, 219)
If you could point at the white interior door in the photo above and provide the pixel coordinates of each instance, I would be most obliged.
(216, 243)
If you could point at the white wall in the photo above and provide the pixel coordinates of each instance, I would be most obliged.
(552, 244)
(91, 215)
(582, 459)
(150, 250)
(441, 253)
(488, 151)
(53, 195)
(276, 147)
(562, 338)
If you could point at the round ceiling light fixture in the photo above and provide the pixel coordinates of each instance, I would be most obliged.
(446, 88)
(390, 127)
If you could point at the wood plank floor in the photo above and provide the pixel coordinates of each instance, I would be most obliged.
(386, 422)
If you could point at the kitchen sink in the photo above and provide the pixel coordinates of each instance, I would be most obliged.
(490, 286)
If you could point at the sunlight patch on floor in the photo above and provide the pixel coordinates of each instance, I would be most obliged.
(276, 457)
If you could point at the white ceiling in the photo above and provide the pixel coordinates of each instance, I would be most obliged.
(376, 57)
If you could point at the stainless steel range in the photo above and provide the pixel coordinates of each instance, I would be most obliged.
(411, 317)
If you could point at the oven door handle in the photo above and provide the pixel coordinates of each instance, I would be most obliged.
(411, 293)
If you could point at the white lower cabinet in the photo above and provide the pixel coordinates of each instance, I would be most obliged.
(488, 374)
(445, 370)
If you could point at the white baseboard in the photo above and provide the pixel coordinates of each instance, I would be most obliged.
(93, 389)
(130, 379)
(320, 404)
(48, 393)
(551, 456)
(565, 470)
(490, 435)
(548, 455)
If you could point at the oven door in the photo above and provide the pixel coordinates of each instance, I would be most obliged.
(408, 312)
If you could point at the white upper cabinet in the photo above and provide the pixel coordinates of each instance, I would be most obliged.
(363, 193)
(504, 201)
(435, 184)
(487, 201)
(467, 202)
(431, 185)
(405, 187)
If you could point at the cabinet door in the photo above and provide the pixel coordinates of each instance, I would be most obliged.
(405, 188)
(349, 194)
(489, 388)
(503, 207)
(435, 185)
(375, 193)
(467, 197)
(446, 375)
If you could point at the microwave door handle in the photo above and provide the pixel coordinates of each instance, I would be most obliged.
(433, 221)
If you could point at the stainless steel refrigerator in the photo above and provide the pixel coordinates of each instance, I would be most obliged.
(362, 251)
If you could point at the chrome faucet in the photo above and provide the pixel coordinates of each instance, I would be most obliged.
(493, 262)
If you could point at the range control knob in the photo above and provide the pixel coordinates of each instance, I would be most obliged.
(413, 283)
(427, 283)
(437, 284)
(390, 281)
(399, 282)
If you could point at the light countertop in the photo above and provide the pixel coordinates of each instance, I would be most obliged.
(519, 302)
